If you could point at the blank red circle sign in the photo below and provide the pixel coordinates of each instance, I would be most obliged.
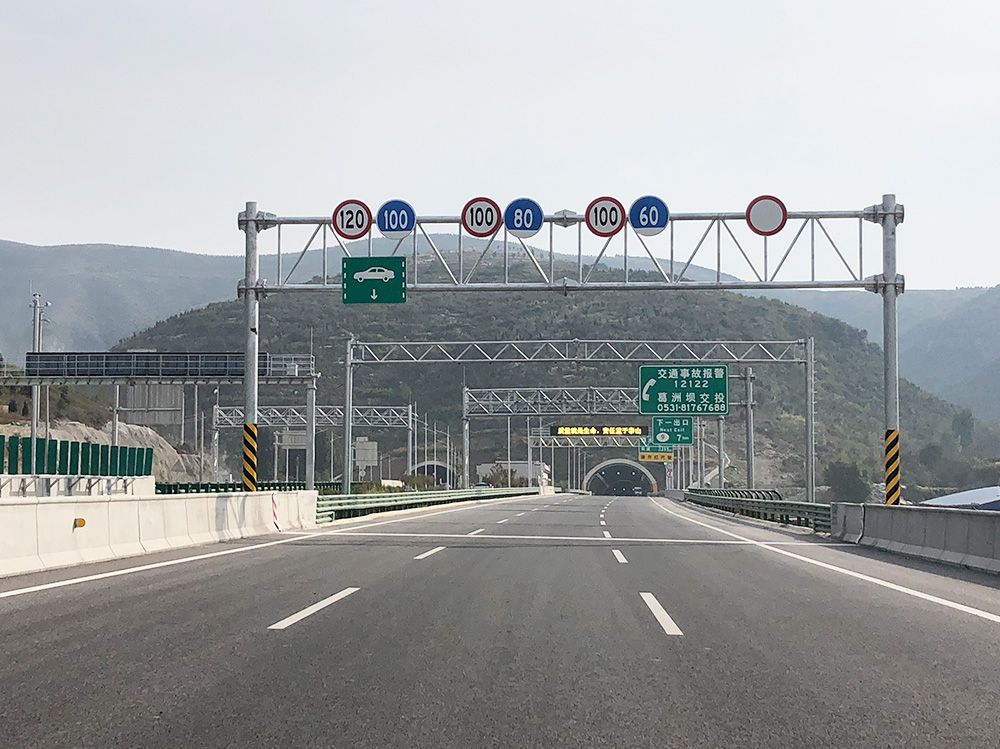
(766, 215)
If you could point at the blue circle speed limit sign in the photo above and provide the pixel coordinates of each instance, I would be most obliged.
(396, 219)
(523, 218)
(648, 216)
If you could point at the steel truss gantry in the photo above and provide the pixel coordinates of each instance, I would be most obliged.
(591, 401)
(797, 352)
(372, 417)
(750, 252)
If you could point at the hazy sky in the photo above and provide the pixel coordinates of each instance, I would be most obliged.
(151, 123)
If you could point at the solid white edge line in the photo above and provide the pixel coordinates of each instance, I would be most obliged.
(239, 550)
(661, 615)
(502, 521)
(619, 556)
(476, 532)
(770, 546)
(288, 621)
(426, 554)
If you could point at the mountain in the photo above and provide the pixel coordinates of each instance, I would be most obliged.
(958, 354)
(863, 309)
(849, 380)
(102, 293)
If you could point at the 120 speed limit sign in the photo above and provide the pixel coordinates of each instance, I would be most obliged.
(352, 219)
(481, 217)
(605, 216)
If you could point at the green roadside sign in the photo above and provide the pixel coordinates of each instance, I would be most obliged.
(684, 389)
(373, 280)
(672, 430)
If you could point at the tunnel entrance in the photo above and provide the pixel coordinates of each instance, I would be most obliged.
(620, 477)
(442, 474)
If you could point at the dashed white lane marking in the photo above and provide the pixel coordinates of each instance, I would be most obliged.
(619, 556)
(426, 554)
(534, 509)
(620, 539)
(310, 610)
(519, 514)
(661, 615)
(772, 546)
(291, 538)
(502, 521)
(476, 532)
(603, 523)
(607, 535)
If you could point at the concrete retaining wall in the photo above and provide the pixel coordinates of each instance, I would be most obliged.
(970, 538)
(38, 533)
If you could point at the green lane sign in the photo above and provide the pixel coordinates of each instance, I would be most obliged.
(684, 389)
(373, 280)
(673, 430)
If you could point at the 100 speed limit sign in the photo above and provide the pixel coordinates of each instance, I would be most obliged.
(481, 217)
(352, 219)
(605, 216)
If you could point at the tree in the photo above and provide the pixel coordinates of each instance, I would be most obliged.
(963, 425)
(846, 481)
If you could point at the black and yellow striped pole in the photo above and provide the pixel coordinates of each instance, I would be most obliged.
(892, 486)
(249, 457)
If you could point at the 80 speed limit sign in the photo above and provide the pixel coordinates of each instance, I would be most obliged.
(481, 217)
(352, 219)
(605, 216)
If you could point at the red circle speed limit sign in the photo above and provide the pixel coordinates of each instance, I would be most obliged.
(481, 217)
(766, 215)
(605, 216)
(352, 219)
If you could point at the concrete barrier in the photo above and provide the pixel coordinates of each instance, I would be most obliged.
(847, 521)
(38, 532)
(970, 538)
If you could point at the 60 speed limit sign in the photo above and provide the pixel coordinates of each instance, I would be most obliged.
(605, 216)
(352, 219)
(481, 217)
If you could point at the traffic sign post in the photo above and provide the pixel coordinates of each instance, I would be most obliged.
(373, 280)
(678, 390)
(673, 430)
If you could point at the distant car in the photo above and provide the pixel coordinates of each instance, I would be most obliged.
(375, 274)
(481, 485)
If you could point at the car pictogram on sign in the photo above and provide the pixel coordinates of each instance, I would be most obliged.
(375, 274)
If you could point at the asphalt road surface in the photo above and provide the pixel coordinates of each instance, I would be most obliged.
(535, 622)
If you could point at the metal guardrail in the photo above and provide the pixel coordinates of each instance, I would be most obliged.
(195, 487)
(763, 505)
(332, 507)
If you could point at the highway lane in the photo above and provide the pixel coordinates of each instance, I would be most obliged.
(531, 633)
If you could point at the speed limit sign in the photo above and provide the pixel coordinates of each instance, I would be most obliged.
(481, 217)
(352, 219)
(649, 216)
(605, 216)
